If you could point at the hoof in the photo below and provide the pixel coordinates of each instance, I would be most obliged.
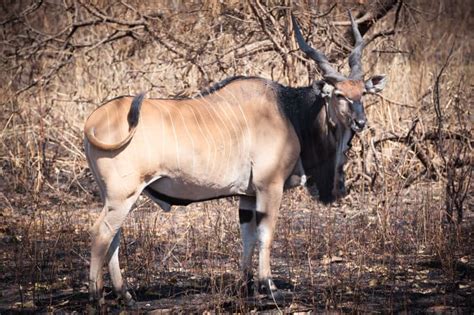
(247, 287)
(269, 289)
(266, 286)
(278, 296)
(127, 300)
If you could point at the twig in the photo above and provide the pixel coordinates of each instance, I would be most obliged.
(394, 27)
(412, 128)
(419, 152)
(414, 145)
(81, 257)
(44, 79)
(429, 136)
(393, 101)
(35, 6)
(272, 38)
(386, 51)
(106, 18)
(436, 101)
(327, 12)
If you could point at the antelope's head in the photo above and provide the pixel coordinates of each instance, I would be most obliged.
(343, 95)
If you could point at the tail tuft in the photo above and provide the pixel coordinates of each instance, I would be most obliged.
(134, 113)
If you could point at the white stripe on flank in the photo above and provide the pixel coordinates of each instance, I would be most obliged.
(161, 136)
(204, 136)
(108, 121)
(228, 117)
(206, 105)
(242, 148)
(212, 136)
(233, 112)
(225, 141)
(249, 137)
(175, 137)
(109, 134)
(146, 140)
(117, 116)
(190, 137)
(229, 126)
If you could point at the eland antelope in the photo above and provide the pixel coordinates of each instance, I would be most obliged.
(246, 137)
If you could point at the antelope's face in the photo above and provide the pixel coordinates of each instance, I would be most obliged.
(345, 101)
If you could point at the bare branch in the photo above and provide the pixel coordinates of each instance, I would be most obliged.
(394, 27)
(272, 38)
(35, 6)
(106, 18)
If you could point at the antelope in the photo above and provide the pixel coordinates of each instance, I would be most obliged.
(247, 137)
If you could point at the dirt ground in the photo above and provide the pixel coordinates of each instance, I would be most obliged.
(326, 259)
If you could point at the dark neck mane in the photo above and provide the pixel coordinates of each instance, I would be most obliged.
(305, 109)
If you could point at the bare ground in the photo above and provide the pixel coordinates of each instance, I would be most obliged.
(325, 259)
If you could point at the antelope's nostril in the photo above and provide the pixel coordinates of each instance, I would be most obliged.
(360, 123)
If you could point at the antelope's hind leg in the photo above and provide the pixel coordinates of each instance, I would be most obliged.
(104, 249)
(118, 284)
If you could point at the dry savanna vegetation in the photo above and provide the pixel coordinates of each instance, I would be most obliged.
(401, 241)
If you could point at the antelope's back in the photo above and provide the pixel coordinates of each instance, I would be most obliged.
(212, 138)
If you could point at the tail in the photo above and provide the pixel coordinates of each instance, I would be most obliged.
(132, 118)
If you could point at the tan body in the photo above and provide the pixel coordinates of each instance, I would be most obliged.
(234, 141)
(195, 149)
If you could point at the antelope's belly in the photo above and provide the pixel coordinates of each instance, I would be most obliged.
(186, 189)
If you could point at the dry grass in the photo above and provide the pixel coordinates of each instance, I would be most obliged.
(386, 247)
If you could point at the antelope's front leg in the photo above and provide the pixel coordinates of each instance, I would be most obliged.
(268, 204)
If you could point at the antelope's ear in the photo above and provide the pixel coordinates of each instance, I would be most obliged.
(376, 83)
(323, 88)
